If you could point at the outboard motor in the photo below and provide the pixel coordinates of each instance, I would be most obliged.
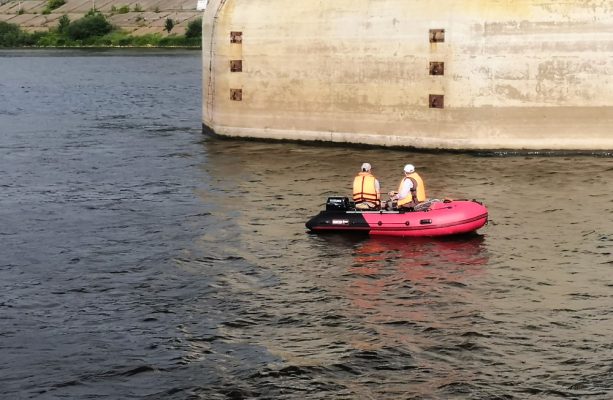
(338, 203)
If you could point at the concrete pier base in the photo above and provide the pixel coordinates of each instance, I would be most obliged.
(459, 75)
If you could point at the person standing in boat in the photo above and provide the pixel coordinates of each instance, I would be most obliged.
(411, 190)
(366, 189)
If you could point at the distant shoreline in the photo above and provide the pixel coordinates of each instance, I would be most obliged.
(95, 30)
(99, 47)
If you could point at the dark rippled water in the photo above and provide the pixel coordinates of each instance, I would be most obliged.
(141, 260)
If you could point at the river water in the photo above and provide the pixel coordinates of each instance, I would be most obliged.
(140, 259)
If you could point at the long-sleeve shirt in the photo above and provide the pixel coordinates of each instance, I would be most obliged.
(405, 189)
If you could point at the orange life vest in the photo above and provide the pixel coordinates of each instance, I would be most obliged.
(418, 188)
(365, 189)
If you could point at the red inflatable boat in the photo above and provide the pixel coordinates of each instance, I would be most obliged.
(434, 218)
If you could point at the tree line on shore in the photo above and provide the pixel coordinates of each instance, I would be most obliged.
(94, 30)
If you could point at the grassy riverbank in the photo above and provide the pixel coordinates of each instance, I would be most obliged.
(94, 30)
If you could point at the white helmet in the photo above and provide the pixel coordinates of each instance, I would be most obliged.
(409, 168)
(366, 167)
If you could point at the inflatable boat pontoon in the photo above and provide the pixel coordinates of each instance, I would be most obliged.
(433, 218)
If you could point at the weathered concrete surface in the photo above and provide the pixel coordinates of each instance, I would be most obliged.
(518, 74)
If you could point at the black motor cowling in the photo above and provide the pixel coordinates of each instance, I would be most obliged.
(338, 203)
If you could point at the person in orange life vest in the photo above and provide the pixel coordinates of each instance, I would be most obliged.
(366, 189)
(411, 190)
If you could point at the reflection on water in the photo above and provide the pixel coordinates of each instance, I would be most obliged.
(142, 260)
(414, 272)
(410, 296)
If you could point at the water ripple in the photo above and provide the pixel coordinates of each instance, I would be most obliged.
(142, 260)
